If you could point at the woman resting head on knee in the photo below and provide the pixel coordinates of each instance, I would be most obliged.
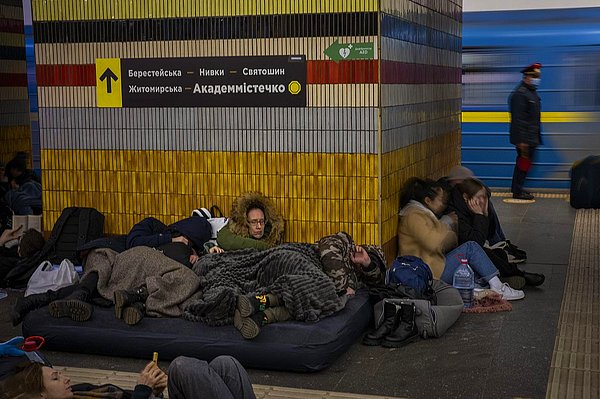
(421, 233)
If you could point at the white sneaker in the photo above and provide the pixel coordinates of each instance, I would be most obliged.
(509, 293)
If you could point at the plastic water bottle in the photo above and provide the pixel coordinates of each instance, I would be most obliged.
(464, 282)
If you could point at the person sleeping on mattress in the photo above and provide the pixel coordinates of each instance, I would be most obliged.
(292, 281)
(255, 222)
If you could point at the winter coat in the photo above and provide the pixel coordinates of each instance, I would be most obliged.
(236, 235)
(525, 110)
(153, 233)
(421, 234)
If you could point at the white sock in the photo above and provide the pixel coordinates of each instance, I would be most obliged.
(495, 283)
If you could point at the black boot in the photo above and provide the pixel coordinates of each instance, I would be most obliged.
(123, 298)
(134, 313)
(76, 306)
(533, 279)
(375, 337)
(406, 329)
(29, 303)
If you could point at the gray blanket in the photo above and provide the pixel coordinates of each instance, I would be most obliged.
(169, 283)
(292, 271)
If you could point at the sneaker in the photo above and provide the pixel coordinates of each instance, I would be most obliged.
(509, 293)
(516, 282)
(523, 195)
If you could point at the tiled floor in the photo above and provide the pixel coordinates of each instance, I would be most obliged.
(575, 367)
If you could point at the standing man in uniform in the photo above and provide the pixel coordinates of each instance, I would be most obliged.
(525, 126)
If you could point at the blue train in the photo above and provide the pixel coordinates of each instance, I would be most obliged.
(496, 45)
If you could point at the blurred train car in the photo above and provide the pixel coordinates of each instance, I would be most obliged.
(496, 45)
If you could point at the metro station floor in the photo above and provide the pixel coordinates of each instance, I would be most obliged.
(497, 355)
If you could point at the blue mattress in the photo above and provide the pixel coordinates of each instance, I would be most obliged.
(289, 346)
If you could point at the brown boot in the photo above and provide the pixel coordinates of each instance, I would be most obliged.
(248, 305)
(249, 327)
(123, 298)
(134, 313)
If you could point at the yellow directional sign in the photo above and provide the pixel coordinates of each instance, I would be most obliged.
(108, 83)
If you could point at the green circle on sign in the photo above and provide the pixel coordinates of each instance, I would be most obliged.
(294, 87)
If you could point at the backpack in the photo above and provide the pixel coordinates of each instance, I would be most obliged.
(215, 218)
(585, 183)
(74, 227)
(411, 271)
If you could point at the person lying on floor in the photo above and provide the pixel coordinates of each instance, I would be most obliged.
(187, 378)
(254, 223)
(422, 234)
(139, 281)
(470, 200)
(496, 236)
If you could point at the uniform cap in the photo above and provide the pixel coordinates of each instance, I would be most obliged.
(533, 69)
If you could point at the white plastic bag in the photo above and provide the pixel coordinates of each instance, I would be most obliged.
(216, 223)
(47, 278)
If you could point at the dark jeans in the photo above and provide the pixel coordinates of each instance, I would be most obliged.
(223, 378)
(519, 175)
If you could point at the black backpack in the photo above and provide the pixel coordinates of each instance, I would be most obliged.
(585, 183)
(74, 227)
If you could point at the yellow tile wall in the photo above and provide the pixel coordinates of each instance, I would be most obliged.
(310, 189)
(12, 140)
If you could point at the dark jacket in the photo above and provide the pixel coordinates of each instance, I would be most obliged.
(153, 233)
(471, 227)
(525, 110)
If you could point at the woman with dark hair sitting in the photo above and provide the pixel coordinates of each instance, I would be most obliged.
(470, 200)
(422, 234)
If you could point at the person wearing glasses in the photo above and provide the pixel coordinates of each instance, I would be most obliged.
(254, 223)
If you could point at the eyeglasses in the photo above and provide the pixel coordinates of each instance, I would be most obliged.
(256, 222)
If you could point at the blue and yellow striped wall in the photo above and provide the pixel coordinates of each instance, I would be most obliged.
(336, 164)
(15, 133)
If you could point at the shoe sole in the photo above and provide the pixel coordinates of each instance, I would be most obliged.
(132, 315)
(75, 309)
(119, 300)
(245, 325)
(372, 342)
(515, 282)
(391, 344)
(516, 261)
(244, 306)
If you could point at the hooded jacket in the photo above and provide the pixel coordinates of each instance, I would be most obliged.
(236, 234)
